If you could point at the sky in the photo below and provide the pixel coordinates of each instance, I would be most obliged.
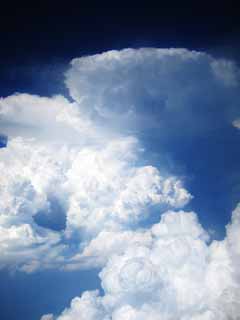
(119, 161)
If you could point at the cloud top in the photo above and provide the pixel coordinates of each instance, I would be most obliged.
(147, 88)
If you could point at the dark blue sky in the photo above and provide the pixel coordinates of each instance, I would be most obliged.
(42, 39)
(36, 45)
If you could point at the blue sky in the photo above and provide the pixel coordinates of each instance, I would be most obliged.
(32, 295)
(211, 168)
(150, 120)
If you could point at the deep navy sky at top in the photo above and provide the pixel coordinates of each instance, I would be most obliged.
(39, 40)
(37, 43)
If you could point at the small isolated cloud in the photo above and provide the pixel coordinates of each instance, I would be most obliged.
(47, 317)
(236, 123)
(85, 159)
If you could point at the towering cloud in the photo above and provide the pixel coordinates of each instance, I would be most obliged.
(84, 160)
(173, 90)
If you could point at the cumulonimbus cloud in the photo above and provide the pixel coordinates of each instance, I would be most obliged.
(85, 158)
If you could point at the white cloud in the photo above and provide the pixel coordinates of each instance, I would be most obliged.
(106, 189)
(106, 244)
(87, 307)
(169, 89)
(236, 123)
(85, 156)
(47, 317)
(28, 248)
(226, 71)
(100, 188)
(172, 274)
(53, 120)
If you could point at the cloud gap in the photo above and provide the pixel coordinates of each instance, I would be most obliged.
(54, 217)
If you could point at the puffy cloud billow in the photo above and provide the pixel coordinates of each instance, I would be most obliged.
(97, 187)
(171, 274)
(83, 161)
